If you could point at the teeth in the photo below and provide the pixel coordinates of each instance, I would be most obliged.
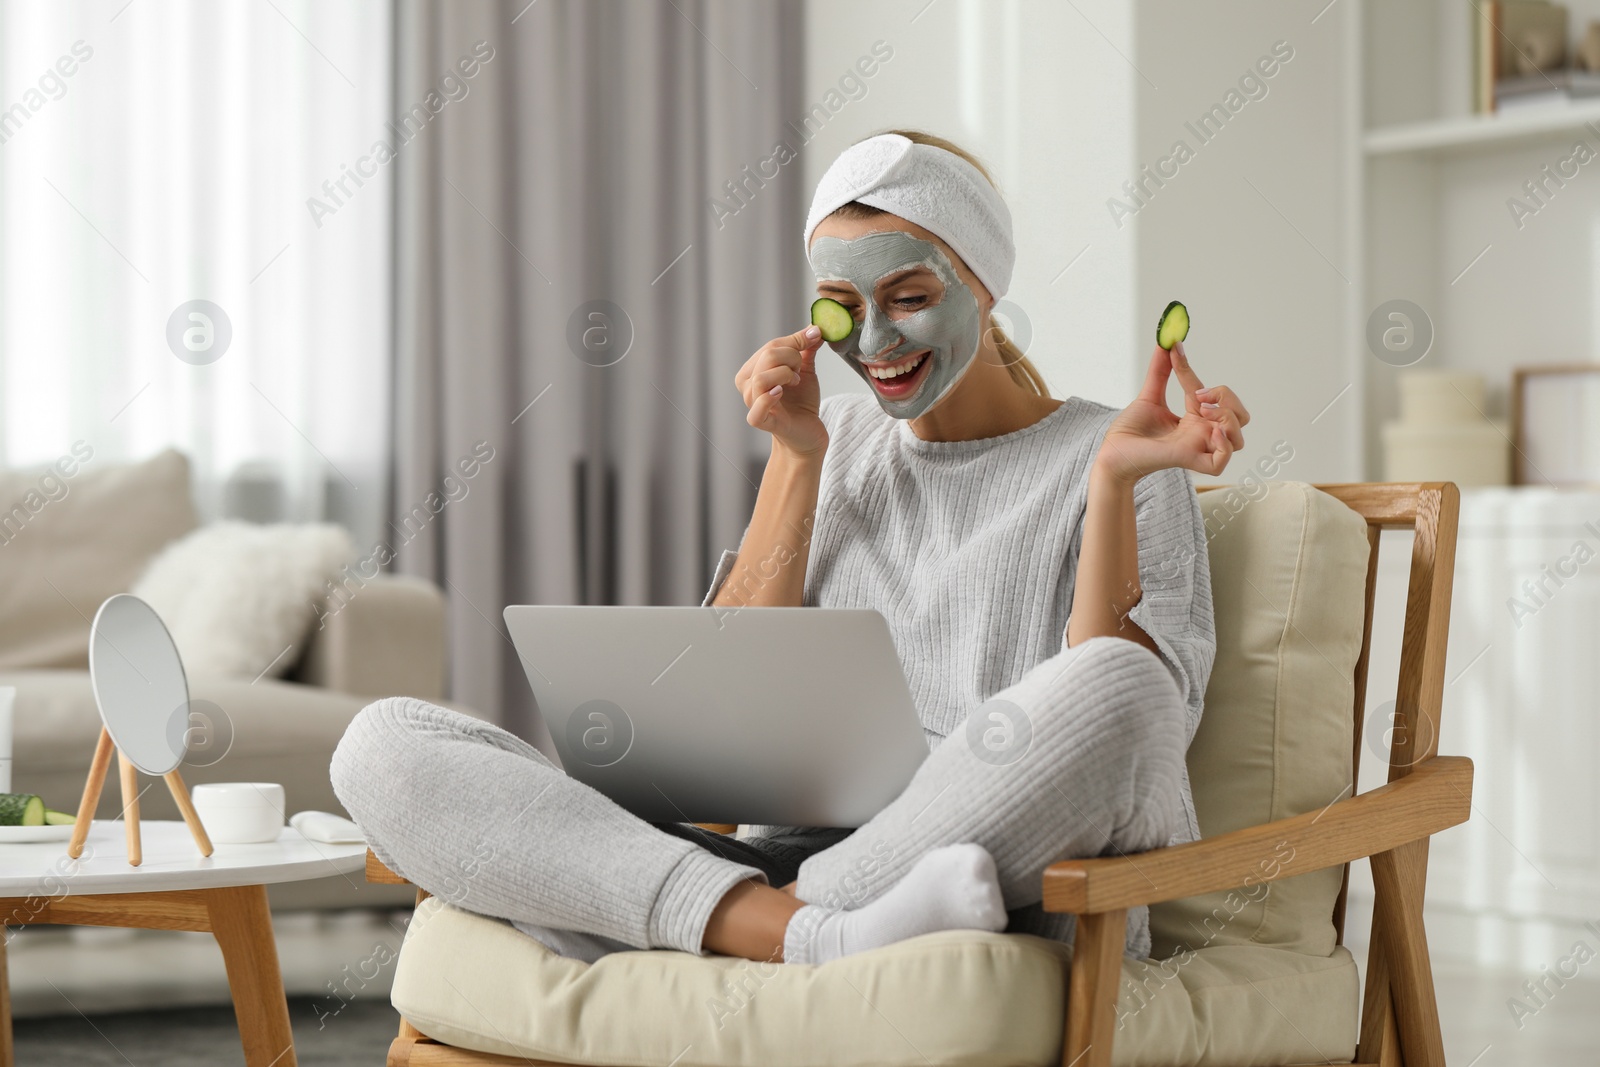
(894, 372)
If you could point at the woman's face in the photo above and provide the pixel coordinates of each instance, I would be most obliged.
(919, 316)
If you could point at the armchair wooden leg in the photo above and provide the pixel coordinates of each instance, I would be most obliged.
(1092, 986)
(1379, 1043)
(1398, 879)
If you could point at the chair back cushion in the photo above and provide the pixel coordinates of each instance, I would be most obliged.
(1288, 585)
(73, 534)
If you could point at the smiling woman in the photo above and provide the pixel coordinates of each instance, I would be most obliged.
(1010, 356)
(918, 322)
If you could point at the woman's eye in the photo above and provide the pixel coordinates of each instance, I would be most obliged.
(910, 302)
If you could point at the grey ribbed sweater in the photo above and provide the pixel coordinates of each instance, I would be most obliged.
(970, 550)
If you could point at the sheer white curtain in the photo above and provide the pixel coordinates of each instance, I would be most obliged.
(153, 154)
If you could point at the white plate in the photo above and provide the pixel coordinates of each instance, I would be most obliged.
(22, 835)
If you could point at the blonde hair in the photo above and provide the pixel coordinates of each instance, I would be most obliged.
(1021, 369)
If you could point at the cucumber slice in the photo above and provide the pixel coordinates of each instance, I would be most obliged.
(1173, 326)
(58, 818)
(21, 809)
(832, 318)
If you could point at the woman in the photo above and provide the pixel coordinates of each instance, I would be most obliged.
(1042, 567)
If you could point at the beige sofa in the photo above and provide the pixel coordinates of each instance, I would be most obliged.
(77, 533)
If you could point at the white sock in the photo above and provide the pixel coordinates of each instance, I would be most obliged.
(950, 888)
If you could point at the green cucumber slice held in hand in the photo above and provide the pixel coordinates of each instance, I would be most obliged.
(1173, 326)
(832, 318)
(21, 809)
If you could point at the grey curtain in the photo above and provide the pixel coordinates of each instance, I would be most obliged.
(570, 296)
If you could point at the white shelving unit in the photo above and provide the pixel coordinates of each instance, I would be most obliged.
(1474, 133)
(1434, 215)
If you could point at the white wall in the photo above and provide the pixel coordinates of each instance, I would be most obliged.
(1033, 88)
(1250, 231)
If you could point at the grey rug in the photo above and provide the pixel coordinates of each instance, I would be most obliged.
(358, 1036)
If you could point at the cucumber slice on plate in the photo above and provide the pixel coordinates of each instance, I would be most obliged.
(58, 818)
(1173, 326)
(832, 318)
(21, 809)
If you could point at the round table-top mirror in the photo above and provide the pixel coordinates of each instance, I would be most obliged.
(139, 684)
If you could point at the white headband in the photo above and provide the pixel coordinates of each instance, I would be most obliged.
(936, 189)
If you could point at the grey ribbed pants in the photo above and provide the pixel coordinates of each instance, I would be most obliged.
(1082, 756)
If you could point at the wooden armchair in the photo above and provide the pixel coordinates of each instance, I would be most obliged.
(1426, 793)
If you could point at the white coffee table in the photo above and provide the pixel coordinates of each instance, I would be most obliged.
(174, 889)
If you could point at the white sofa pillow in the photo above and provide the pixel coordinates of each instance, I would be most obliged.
(239, 597)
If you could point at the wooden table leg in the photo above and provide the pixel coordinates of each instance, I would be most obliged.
(242, 925)
(7, 1054)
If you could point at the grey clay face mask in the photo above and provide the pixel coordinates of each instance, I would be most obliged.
(949, 329)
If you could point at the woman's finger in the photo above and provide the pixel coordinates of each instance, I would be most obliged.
(1226, 397)
(764, 381)
(1221, 452)
(1187, 378)
(1228, 420)
(744, 372)
(763, 411)
(810, 337)
(1155, 379)
(774, 357)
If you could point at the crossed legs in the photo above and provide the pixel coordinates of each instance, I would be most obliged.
(483, 820)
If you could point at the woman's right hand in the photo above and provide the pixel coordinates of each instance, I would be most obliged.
(779, 386)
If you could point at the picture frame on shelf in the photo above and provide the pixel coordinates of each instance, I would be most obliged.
(1555, 425)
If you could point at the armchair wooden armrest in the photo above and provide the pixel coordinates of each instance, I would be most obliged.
(378, 871)
(1435, 796)
(1391, 824)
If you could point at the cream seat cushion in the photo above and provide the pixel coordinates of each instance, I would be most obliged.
(1250, 976)
(953, 998)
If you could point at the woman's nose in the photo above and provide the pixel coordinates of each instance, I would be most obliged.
(878, 334)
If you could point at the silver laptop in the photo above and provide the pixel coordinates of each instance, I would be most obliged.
(785, 716)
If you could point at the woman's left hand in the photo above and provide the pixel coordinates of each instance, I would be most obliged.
(1147, 436)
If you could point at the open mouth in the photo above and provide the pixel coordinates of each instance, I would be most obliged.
(900, 379)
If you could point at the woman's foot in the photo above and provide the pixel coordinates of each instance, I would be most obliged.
(950, 888)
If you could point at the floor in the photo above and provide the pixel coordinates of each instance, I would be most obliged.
(202, 1037)
(72, 1015)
